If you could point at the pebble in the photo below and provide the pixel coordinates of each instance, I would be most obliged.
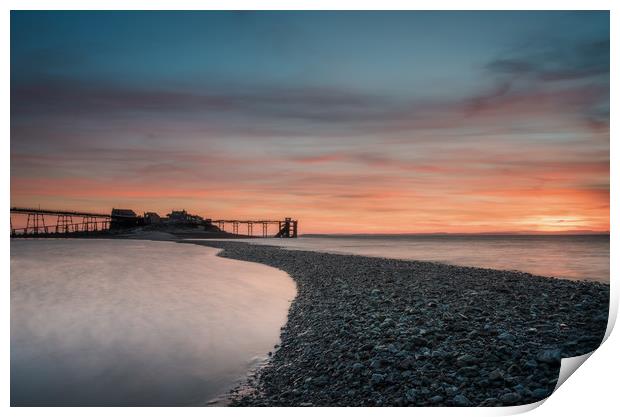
(549, 356)
(461, 401)
(497, 374)
(357, 367)
(506, 337)
(369, 331)
(540, 393)
(509, 398)
(411, 395)
(469, 371)
(466, 359)
(437, 399)
(377, 379)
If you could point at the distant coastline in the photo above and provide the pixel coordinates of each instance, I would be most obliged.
(439, 234)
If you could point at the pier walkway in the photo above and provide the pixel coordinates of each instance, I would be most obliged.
(45, 223)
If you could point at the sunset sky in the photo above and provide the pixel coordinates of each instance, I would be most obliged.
(374, 122)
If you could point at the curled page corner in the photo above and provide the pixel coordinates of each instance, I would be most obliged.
(520, 409)
(569, 366)
(613, 312)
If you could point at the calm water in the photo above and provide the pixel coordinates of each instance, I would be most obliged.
(96, 322)
(572, 257)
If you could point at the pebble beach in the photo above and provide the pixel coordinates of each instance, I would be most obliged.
(366, 331)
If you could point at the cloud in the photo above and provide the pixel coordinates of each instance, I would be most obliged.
(550, 78)
(278, 112)
(56, 96)
(556, 61)
(534, 143)
(537, 84)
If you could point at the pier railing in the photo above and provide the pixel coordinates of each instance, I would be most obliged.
(287, 228)
(66, 222)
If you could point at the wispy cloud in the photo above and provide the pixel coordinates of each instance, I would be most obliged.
(556, 61)
(528, 138)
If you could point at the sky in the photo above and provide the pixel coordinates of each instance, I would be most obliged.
(351, 122)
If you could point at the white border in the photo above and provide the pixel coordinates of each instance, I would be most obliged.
(592, 391)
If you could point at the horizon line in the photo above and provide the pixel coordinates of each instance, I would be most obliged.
(500, 233)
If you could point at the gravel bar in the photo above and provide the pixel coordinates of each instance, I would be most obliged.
(366, 331)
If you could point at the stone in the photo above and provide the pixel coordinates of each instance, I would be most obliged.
(469, 371)
(320, 381)
(488, 329)
(466, 359)
(411, 395)
(461, 401)
(440, 354)
(406, 363)
(367, 347)
(506, 337)
(540, 393)
(436, 399)
(551, 356)
(514, 369)
(357, 367)
(387, 323)
(510, 397)
(375, 364)
(419, 341)
(496, 375)
(377, 379)
(601, 318)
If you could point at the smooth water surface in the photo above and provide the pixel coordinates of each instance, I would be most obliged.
(111, 322)
(573, 257)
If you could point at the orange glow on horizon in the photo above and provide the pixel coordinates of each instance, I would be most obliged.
(387, 205)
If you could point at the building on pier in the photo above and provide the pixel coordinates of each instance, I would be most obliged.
(151, 217)
(124, 218)
(183, 217)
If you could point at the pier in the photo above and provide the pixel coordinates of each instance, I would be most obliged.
(40, 222)
(66, 222)
(287, 228)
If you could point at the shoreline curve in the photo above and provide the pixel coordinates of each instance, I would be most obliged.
(369, 331)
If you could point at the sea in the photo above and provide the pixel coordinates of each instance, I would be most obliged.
(575, 257)
(145, 323)
(137, 323)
